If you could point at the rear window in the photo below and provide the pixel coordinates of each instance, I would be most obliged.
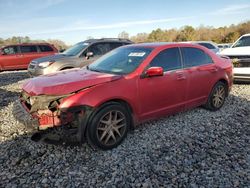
(45, 48)
(28, 49)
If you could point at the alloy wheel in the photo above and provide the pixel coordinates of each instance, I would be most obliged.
(111, 127)
(219, 96)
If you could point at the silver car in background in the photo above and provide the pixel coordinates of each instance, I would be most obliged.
(79, 55)
(208, 44)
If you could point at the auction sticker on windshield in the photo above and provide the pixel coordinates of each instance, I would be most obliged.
(137, 54)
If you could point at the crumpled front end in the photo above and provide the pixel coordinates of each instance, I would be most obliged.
(44, 110)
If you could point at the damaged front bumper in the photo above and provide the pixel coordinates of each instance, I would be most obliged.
(24, 117)
(42, 112)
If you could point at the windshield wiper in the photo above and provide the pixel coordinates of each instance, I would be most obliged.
(94, 70)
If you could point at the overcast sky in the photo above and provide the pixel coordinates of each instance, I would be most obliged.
(73, 21)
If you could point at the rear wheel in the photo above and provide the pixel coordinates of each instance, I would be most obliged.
(217, 97)
(108, 127)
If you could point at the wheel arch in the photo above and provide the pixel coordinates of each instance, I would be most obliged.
(226, 83)
(125, 104)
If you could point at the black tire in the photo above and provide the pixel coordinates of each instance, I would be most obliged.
(101, 127)
(211, 104)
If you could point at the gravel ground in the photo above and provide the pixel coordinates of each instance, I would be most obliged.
(197, 148)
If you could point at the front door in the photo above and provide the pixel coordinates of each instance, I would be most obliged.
(165, 94)
(10, 58)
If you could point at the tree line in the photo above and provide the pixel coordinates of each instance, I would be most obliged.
(227, 34)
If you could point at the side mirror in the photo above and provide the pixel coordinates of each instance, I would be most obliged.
(89, 54)
(154, 71)
(2, 52)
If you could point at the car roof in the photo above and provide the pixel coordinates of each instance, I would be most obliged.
(163, 44)
(91, 41)
(248, 34)
(25, 44)
(210, 42)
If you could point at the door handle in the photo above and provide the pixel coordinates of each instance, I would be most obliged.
(210, 69)
(181, 76)
(214, 69)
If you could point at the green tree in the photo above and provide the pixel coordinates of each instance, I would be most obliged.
(231, 37)
(186, 34)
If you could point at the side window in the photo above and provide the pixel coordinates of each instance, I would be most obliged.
(45, 48)
(168, 59)
(195, 57)
(115, 45)
(10, 50)
(28, 49)
(100, 48)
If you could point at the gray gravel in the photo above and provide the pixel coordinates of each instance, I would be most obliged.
(197, 148)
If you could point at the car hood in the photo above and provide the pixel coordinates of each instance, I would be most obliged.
(55, 57)
(66, 82)
(236, 51)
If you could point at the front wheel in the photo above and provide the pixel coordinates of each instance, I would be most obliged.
(108, 127)
(217, 97)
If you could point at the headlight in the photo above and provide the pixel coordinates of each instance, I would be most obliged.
(45, 64)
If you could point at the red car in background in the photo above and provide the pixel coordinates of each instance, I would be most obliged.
(125, 87)
(18, 56)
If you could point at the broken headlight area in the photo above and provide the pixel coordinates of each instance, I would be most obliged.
(41, 102)
(45, 109)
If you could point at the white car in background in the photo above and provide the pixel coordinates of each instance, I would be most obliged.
(239, 53)
(224, 46)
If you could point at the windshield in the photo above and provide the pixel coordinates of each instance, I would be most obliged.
(76, 49)
(121, 60)
(244, 41)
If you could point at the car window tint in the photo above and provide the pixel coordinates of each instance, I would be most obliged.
(28, 49)
(195, 57)
(100, 48)
(207, 45)
(45, 48)
(10, 50)
(115, 45)
(168, 59)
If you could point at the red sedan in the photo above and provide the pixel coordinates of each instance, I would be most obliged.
(127, 86)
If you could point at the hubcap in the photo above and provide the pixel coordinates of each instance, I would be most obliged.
(111, 127)
(218, 97)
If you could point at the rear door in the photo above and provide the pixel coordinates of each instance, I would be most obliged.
(164, 94)
(202, 73)
(45, 50)
(29, 52)
(10, 59)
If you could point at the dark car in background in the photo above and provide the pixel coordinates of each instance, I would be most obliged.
(79, 55)
(18, 56)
